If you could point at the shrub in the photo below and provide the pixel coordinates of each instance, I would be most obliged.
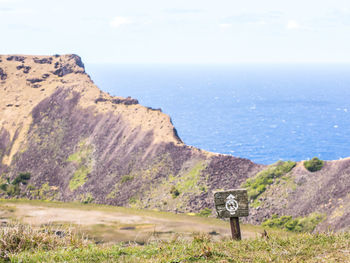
(132, 200)
(87, 198)
(314, 164)
(3, 187)
(21, 178)
(174, 192)
(13, 189)
(299, 224)
(257, 185)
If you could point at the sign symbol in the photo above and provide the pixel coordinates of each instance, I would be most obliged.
(231, 204)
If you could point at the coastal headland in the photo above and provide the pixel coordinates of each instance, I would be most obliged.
(64, 139)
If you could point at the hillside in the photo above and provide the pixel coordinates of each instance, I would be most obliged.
(300, 193)
(78, 143)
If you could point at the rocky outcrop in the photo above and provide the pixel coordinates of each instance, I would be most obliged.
(3, 75)
(25, 68)
(15, 58)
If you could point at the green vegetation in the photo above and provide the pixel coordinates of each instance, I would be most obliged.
(314, 164)
(174, 192)
(22, 178)
(82, 160)
(83, 152)
(190, 180)
(13, 188)
(299, 224)
(87, 198)
(45, 192)
(79, 177)
(203, 189)
(126, 178)
(257, 184)
(114, 192)
(205, 212)
(132, 200)
(49, 245)
(298, 248)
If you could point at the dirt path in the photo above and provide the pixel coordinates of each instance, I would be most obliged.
(115, 226)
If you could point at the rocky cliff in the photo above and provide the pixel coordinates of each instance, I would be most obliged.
(81, 144)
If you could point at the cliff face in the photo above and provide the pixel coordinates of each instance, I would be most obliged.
(79, 143)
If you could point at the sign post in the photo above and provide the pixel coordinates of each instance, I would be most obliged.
(232, 204)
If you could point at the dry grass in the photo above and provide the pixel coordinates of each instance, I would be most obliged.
(16, 237)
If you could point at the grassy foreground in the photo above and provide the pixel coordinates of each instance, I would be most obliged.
(33, 239)
(20, 243)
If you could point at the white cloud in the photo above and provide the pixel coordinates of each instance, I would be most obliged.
(226, 25)
(119, 21)
(182, 11)
(292, 24)
(261, 22)
(255, 18)
(15, 11)
(295, 25)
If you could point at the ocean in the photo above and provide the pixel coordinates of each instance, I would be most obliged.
(261, 112)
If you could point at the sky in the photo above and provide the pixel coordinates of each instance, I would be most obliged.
(181, 31)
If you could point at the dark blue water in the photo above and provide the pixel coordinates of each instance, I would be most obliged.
(261, 112)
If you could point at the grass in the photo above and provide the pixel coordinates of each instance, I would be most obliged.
(16, 238)
(82, 159)
(126, 178)
(299, 224)
(205, 212)
(21, 243)
(258, 184)
(299, 248)
(79, 177)
(190, 180)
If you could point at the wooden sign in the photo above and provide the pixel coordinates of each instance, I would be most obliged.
(232, 204)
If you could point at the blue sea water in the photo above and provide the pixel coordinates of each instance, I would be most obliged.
(261, 112)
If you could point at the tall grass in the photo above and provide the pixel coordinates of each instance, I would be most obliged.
(16, 237)
(296, 248)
